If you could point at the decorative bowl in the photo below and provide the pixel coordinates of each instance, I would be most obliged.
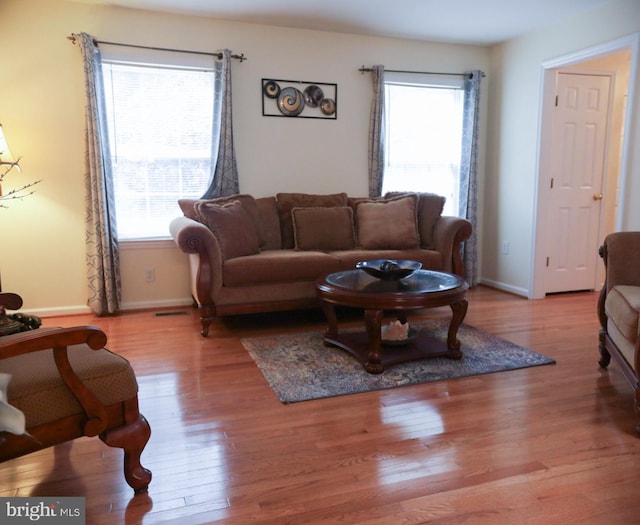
(389, 269)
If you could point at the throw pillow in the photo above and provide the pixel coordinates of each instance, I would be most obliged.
(388, 225)
(188, 207)
(288, 201)
(325, 229)
(430, 206)
(270, 221)
(232, 226)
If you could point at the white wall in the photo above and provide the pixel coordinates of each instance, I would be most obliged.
(42, 109)
(513, 135)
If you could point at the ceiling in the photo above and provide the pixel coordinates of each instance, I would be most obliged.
(476, 22)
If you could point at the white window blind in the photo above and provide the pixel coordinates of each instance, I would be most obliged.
(423, 117)
(160, 133)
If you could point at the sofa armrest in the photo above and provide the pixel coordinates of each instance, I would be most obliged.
(200, 243)
(448, 235)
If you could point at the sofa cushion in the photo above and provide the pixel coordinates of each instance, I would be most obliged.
(430, 259)
(278, 266)
(248, 202)
(430, 208)
(288, 201)
(388, 224)
(270, 221)
(324, 229)
(622, 307)
(232, 226)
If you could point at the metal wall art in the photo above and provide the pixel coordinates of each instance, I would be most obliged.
(297, 98)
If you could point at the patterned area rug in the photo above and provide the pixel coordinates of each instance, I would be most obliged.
(299, 367)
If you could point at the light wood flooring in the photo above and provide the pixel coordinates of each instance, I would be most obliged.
(546, 445)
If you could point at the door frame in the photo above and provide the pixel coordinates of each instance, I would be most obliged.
(548, 81)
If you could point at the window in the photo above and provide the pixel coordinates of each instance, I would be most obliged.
(423, 136)
(160, 131)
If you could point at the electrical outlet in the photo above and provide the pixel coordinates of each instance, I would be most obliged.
(150, 275)
(505, 248)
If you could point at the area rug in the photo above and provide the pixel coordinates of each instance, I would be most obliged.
(299, 367)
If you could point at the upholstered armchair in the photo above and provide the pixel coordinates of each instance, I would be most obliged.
(63, 384)
(619, 307)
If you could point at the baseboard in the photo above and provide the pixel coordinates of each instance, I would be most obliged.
(150, 305)
(505, 287)
(59, 311)
(56, 311)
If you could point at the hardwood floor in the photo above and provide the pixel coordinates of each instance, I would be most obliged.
(546, 445)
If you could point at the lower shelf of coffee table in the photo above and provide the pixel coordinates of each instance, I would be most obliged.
(420, 347)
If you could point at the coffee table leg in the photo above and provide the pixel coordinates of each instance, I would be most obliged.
(459, 311)
(373, 321)
(332, 321)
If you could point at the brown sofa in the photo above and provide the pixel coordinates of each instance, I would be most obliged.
(252, 255)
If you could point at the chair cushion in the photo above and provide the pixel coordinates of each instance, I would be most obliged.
(37, 389)
(325, 229)
(622, 306)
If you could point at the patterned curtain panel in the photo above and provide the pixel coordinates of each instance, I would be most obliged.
(468, 171)
(376, 133)
(224, 177)
(103, 256)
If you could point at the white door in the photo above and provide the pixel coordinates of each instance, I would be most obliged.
(577, 167)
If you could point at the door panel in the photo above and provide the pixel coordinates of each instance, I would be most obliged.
(578, 158)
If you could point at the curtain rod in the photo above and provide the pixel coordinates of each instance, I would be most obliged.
(365, 69)
(241, 57)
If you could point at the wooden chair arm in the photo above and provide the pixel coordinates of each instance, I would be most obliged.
(10, 301)
(58, 340)
(45, 338)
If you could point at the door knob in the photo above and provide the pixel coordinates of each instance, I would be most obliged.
(597, 196)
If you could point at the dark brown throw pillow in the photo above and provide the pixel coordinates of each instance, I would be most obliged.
(232, 226)
(388, 225)
(188, 207)
(325, 229)
(288, 201)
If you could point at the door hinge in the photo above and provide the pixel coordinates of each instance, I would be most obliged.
(551, 182)
(556, 100)
(547, 262)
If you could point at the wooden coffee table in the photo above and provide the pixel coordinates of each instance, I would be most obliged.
(422, 289)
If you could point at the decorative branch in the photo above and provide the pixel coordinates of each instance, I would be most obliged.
(18, 193)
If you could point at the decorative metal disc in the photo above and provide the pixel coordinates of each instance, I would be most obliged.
(328, 106)
(313, 96)
(271, 89)
(291, 101)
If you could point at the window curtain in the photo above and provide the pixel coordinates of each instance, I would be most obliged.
(468, 172)
(376, 133)
(224, 174)
(102, 252)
